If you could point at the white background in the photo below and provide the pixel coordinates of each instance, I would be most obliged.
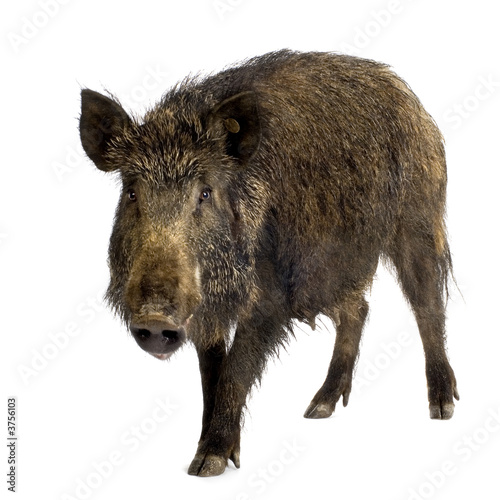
(79, 404)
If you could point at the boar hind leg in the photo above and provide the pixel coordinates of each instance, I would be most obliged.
(228, 380)
(350, 321)
(422, 269)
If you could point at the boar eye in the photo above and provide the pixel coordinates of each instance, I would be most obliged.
(131, 195)
(205, 195)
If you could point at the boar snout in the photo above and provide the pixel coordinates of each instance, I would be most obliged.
(158, 335)
(162, 295)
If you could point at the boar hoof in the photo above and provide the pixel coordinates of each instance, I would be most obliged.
(441, 412)
(321, 410)
(207, 466)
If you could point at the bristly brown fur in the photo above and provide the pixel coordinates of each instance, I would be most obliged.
(316, 166)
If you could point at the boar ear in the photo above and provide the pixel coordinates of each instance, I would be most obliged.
(102, 120)
(240, 119)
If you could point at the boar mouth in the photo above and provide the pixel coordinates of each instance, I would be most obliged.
(163, 356)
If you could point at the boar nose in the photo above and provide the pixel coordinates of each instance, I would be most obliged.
(158, 335)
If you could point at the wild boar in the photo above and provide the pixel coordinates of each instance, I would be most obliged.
(266, 194)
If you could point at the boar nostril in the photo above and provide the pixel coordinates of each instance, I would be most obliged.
(143, 334)
(170, 335)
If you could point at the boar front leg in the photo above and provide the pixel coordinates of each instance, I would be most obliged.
(351, 319)
(211, 360)
(227, 380)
